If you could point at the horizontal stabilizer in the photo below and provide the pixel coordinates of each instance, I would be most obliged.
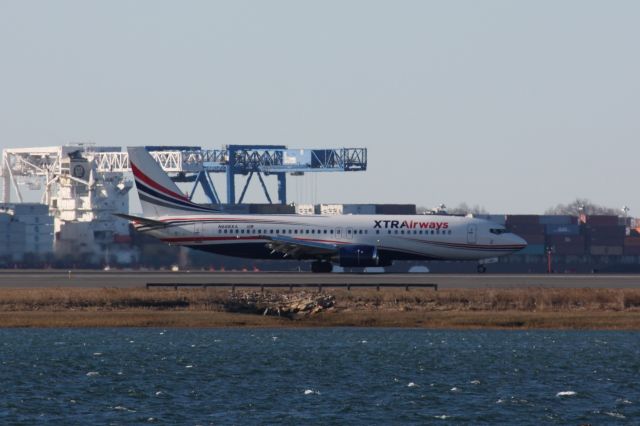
(140, 220)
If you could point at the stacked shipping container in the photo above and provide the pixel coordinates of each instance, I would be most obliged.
(604, 235)
(25, 229)
(529, 228)
(595, 235)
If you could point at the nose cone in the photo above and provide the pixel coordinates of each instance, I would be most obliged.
(518, 242)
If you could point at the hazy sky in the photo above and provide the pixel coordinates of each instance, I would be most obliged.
(513, 105)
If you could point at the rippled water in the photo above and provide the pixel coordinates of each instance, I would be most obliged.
(324, 376)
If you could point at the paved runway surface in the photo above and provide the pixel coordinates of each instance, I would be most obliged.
(130, 279)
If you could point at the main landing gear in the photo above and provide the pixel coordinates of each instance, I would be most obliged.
(321, 267)
(482, 269)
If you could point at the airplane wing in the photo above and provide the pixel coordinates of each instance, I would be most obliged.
(299, 248)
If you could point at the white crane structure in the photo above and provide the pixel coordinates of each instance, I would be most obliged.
(83, 185)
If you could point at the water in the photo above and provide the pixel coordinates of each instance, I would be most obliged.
(318, 376)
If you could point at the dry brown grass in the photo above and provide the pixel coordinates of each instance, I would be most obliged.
(534, 299)
(63, 299)
(459, 308)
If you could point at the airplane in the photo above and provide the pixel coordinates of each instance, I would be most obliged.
(352, 241)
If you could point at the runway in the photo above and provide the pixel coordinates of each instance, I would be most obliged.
(132, 279)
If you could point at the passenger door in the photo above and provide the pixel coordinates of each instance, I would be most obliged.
(472, 234)
(197, 231)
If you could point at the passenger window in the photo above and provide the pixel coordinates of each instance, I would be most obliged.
(331, 232)
(306, 231)
(325, 231)
(396, 231)
(271, 231)
(377, 231)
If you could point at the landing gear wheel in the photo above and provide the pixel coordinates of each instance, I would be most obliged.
(321, 267)
(482, 269)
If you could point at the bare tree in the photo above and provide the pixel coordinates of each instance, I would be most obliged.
(460, 209)
(582, 205)
(464, 209)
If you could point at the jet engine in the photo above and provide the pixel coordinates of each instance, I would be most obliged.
(358, 256)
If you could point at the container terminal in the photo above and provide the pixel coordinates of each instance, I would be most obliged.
(83, 185)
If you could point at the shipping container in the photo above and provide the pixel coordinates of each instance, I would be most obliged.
(605, 235)
(558, 220)
(609, 231)
(605, 241)
(598, 250)
(533, 239)
(632, 242)
(396, 209)
(530, 219)
(526, 228)
(330, 209)
(632, 251)
(500, 219)
(359, 209)
(271, 209)
(565, 239)
(569, 249)
(562, 229)
(21, 209)
(532, 249)
(17, 228)
(305, 209)
(554, 239)
(601, 220)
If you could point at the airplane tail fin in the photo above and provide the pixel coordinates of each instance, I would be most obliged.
(159, 195)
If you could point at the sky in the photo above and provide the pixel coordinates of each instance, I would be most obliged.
(514, 106)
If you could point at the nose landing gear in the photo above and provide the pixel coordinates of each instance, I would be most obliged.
(320, 266)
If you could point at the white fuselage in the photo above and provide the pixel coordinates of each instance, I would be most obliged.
(395, 237)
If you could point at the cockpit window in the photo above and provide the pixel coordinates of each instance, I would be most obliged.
(497, 231)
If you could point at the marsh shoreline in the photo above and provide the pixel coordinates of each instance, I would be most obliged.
(524, 308)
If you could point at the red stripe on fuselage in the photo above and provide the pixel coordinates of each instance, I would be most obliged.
(257, 237)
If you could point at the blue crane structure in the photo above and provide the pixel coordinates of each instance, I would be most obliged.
(261, 161)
